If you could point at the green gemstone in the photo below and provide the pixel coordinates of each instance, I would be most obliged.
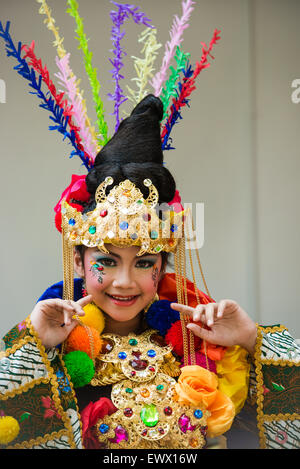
(149, 415)
(139, 201)
(129, 390)
(158, 248)
(133, 342)
(153, 234)
(160, 387)
(92, 229)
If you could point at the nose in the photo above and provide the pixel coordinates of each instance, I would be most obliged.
(124, 279)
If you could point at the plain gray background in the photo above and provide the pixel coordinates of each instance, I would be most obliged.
(237, 149)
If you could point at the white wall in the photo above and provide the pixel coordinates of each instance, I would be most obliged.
(237, 150)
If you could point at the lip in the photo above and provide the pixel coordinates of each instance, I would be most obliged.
(123, 302)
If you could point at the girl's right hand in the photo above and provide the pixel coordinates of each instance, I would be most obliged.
(53, 319)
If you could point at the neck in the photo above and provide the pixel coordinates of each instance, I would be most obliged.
(123, 328)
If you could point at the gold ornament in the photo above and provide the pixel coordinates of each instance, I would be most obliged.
(148, 416)
(123, 218)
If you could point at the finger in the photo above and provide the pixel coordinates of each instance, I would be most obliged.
(209, 313)
(221, 308)
(183, 308)
(85, 300)
(199, 313)
(201, 332)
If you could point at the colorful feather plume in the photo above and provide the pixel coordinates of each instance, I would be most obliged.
(185, 89)
(68, 82)
(86, 128)
(55, 104)
(118, 18)
(176, 37)
(144, 67)
(91, 72)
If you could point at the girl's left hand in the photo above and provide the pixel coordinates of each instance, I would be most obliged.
(228, 324)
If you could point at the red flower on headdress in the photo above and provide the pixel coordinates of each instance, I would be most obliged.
(176, 202)
(76, 190)
(89, 417)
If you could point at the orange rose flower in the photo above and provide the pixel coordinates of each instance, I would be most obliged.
(199, 387)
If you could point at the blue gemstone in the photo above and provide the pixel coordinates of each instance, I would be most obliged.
(174, 228)
(103, 428)
(123, 225)
(198, 414)
(72, 221)
(122, 355)
(151, 353)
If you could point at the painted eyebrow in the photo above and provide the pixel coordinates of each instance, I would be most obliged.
(136, 257)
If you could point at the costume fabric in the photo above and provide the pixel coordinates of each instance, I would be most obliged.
(37, 392)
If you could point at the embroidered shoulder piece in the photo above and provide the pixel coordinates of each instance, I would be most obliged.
(36, 394)
(277, 367)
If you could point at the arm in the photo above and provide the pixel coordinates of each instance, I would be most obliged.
(38, 408)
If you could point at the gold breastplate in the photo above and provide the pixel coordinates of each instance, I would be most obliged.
(142, 369)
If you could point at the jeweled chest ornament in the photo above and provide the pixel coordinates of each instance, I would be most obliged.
(123, 218)
(147, 415)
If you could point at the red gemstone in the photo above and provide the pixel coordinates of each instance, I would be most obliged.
(158, 340)
(100, 267)
(146, 216)
(103, 213)
(136, 353)
(168, 410)
(144, 432)
(138, 365)
(106, 346)
(133, 373)
(161, 431)
(128, 412)
(151, 368)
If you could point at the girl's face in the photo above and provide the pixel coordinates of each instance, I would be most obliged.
(121, 283)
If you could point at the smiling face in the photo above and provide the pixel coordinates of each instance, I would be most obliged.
(121, 283)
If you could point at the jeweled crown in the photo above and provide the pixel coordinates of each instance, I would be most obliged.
(124, 218)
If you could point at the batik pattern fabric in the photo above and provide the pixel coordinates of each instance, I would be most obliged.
(275, 386)
(37, 392)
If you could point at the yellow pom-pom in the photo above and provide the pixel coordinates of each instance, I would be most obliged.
(9, 429)
(93, 317)
(84, 339)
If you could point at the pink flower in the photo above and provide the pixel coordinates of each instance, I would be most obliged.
(176, 202)
(50, 408)
(22, 325)
(76, 190)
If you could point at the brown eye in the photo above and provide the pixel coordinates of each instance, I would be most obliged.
(145, 264)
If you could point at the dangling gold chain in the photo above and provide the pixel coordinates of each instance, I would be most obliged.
(194, 280)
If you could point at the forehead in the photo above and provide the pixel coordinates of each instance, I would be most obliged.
(129, 252)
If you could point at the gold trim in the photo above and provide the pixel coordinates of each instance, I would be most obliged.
(54, 385)
(259, 388)
(272, 417)
(39, 440)
(23, 388)
(258, 362)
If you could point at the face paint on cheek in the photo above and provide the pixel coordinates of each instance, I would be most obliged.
(155, 275)
(98, 271)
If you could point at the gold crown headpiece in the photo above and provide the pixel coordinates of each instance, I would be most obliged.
(123, 218)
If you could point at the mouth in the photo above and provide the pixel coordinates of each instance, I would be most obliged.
(123, 300)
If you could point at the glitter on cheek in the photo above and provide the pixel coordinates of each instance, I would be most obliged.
(97, 270)
(155, 275)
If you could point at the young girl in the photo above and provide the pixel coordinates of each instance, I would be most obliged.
(114, 359)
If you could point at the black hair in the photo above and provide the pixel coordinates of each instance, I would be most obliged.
(134, 153)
